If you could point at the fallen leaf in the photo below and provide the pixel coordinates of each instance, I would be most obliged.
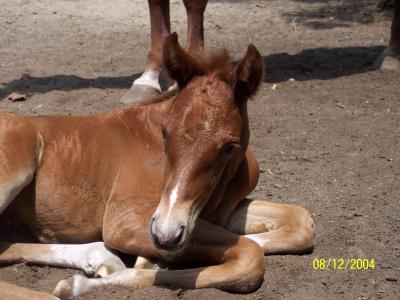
(16, 97)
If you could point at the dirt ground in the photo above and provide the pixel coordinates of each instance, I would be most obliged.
(325, 125)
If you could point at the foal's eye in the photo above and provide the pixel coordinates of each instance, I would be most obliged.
(164, 133)
(229, 148)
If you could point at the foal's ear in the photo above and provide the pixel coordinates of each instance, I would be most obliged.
(179, 64)
(249, 73)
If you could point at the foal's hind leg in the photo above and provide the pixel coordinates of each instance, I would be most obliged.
(95, 259)
(20, 149)
(277, 228)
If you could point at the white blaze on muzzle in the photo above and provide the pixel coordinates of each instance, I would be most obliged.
(173, 197)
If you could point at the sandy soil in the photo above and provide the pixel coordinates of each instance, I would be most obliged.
(325, 126)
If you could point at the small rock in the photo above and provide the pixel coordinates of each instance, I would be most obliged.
(339, 105)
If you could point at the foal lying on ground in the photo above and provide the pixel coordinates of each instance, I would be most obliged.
(165, 181)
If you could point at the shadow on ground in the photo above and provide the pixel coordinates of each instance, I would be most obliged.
(329, 14)
(320, 63)
(317, 63)
(28, 84)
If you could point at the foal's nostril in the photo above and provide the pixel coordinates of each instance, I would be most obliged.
(179, 235)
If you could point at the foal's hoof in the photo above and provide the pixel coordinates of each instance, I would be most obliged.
(99, 261)
(72, 287)
(138, 93)
(388, 61)
(103, 269)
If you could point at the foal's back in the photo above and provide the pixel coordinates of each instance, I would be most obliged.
(62, 169)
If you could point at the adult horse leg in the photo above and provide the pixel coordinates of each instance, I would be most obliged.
(390, 58)
(195, 31)
(147, 84)
(277, 228)
(195, 18)
(232, 263)
(95, 259)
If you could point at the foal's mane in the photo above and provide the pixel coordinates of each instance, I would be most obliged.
(217, 64)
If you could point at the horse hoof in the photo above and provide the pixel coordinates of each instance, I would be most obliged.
(104, 271)
(100, 261)
(138, 93)
(388, 61)
(72, 287)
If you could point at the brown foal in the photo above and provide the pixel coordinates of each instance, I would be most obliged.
(165, 180)
(147, 84)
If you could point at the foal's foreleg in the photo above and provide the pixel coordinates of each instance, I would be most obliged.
(94, 259)
(147, 84)
(234, 264)
(277, 228)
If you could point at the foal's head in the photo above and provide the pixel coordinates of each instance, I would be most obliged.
(205, 134)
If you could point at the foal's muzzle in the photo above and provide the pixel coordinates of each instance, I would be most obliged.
(167, 237)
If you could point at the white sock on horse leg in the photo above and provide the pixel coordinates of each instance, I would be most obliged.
(149, 78)
(93, 259)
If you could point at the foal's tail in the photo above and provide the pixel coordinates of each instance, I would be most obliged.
(20, 151)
